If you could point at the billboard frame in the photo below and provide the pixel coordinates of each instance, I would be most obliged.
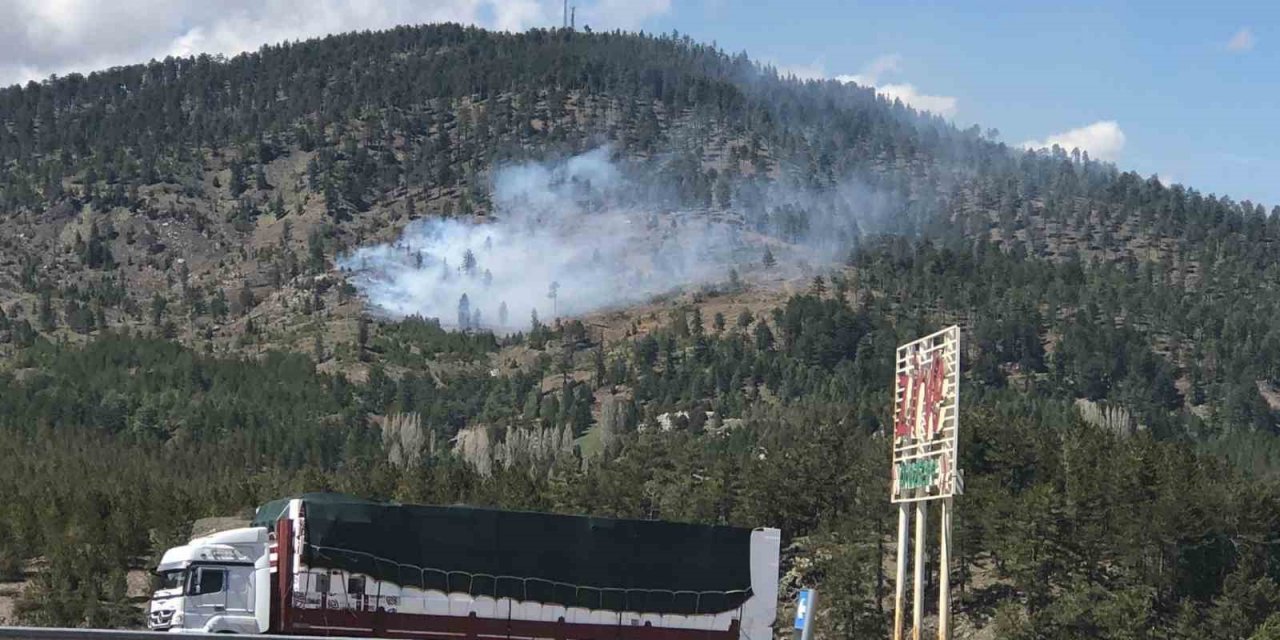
(926, 446)
(926, 403)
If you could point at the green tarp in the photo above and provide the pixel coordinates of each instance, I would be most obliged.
(599, 563)
(267, 514)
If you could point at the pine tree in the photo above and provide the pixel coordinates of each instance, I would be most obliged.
(237, 183)
(219, 306)
(260, 179)
(48, 319)
(818, 287)
(246, 299)
(764, 337)
(464, 313)
(553, 292)
(601, 373)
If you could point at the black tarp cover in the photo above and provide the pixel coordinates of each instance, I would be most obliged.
(599, 563)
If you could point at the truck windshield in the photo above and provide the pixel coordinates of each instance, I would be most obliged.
(172, 579)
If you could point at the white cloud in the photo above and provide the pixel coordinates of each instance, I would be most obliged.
(944, 106)
(42, 37)
(1242, 40)
(1103, 140)
(871, 74)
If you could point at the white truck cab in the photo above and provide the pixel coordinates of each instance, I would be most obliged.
(215, 584)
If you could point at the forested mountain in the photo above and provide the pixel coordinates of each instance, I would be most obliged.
(178, 341)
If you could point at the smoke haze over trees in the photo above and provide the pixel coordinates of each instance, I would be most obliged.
(584, 234)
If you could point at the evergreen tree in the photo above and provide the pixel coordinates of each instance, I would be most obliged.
(464, 313)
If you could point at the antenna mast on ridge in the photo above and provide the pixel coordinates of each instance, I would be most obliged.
(565, 22)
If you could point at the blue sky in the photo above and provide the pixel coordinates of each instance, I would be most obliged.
(1188, 91)
(1193, 88)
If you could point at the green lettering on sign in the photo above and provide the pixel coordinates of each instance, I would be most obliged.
(917, 474)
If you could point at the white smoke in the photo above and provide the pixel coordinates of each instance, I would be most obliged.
(564, 238)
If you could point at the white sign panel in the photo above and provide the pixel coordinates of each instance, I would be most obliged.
(926, 404)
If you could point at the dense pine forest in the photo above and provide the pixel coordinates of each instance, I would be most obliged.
(177, 341)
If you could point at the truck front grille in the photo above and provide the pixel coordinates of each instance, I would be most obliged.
(160, 619)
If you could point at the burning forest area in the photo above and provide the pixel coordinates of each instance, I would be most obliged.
(591, 233)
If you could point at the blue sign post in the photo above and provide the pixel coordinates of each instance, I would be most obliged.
(806, 600)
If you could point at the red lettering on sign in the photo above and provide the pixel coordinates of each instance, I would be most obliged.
(902, 426)
(935, 377)
(924, 384)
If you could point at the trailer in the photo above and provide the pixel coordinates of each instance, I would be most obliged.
(329, 564)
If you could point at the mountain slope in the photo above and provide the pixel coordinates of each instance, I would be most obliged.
(190, 195)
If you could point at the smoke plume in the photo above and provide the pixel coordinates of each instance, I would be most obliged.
(588, 233)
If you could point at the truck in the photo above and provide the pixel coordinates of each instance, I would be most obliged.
(331, 564)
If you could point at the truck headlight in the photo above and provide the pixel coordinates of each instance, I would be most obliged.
(177, 619)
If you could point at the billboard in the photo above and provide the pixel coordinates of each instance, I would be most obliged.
(926, 404)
